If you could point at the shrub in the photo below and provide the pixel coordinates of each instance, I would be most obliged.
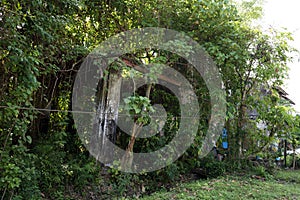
(212, 167)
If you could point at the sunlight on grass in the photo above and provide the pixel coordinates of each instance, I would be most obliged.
(285, 185)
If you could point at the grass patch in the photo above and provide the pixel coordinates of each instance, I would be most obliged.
(237, 187)
(288, 176)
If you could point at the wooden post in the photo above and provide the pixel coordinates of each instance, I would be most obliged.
(107, 116)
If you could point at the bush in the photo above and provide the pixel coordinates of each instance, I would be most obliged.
(260, 171)
(212, 167)
(125, 184)
(19, 177)
(59, 170)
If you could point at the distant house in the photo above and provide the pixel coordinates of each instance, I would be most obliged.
(261, 125)
(282, 93)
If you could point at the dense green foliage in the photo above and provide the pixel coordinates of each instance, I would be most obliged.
(42, 46)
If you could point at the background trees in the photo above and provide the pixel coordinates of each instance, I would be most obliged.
(43, 44)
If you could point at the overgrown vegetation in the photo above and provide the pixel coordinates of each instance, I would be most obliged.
(42, 46)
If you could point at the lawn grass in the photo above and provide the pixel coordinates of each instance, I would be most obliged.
(288, 176)
(283, 185)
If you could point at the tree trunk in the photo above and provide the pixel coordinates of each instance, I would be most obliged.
(285, 148)
(240, 136)
(294, 157)
(127, 159)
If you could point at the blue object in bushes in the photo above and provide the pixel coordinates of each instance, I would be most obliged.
(278, 159)
(225, 145)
